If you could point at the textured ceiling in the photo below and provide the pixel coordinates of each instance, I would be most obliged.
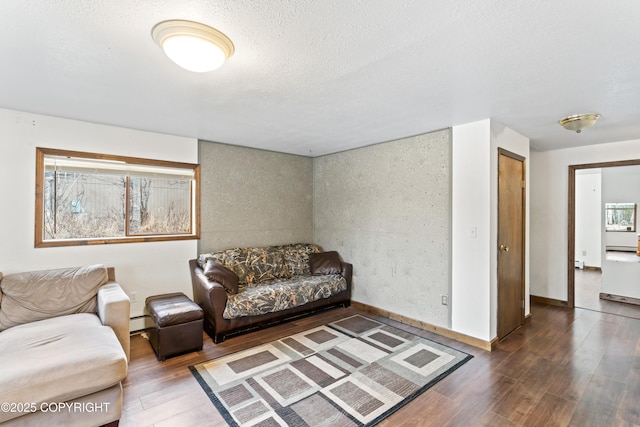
(313, 77)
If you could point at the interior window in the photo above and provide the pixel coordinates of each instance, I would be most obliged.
(620, 216)
(88, 198)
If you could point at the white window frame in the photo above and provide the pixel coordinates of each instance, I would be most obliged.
(628, 228)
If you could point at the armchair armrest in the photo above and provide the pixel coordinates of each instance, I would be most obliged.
(114, 311)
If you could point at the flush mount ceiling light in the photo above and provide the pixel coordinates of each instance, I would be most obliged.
(579, 121)
(191, 45)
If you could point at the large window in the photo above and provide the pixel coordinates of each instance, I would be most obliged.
(620, 216)
(85, 198)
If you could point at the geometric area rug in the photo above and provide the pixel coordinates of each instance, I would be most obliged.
(352, 372)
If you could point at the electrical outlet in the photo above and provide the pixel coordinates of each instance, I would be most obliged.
(444, 299)
(133, 296)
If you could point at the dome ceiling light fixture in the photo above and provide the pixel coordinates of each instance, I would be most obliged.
(579, 121)
(192, 45)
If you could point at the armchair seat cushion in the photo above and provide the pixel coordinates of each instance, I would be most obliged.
(59, 359)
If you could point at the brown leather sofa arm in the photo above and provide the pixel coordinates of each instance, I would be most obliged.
(347, 272)
(211, 296)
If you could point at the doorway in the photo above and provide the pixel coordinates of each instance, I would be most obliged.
(511, 241)
(588, 238)
(589, 277)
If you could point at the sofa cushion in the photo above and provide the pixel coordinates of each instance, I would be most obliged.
(322, 263)
(204, 257)
(219, 273)
(38, 295)
(234, 259)
(251, 265)
(265, 264)
(58, 359)
(296, 256)
(282, 294)
(259, 265)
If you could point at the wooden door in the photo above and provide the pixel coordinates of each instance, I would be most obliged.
(511, 244)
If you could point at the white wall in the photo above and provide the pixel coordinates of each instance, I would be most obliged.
(588, 217)
(621, 241)
(549, 209)
(621, 278)
(143, 268)
(620, 185)
(471, 230)
(475, 224)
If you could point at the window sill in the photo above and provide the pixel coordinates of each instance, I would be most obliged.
(109, 241)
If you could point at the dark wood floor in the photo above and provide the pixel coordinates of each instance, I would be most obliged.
(565, 367)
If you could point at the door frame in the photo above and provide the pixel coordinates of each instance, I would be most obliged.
(506, 153)
(571, 223)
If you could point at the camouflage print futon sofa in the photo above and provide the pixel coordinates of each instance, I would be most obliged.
(245, 288)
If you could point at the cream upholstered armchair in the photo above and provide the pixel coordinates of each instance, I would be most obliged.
(65, 347)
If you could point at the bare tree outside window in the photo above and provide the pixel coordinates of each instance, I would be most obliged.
(620, 216)
(159, 205)
(85, 198)
(83, 206)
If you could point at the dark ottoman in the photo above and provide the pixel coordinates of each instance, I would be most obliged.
(174, 324)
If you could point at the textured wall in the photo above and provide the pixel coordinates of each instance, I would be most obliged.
(386, 209)
(253, 197)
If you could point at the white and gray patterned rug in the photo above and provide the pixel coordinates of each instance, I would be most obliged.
(353, 372)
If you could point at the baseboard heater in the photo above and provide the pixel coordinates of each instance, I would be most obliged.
(621, 248)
